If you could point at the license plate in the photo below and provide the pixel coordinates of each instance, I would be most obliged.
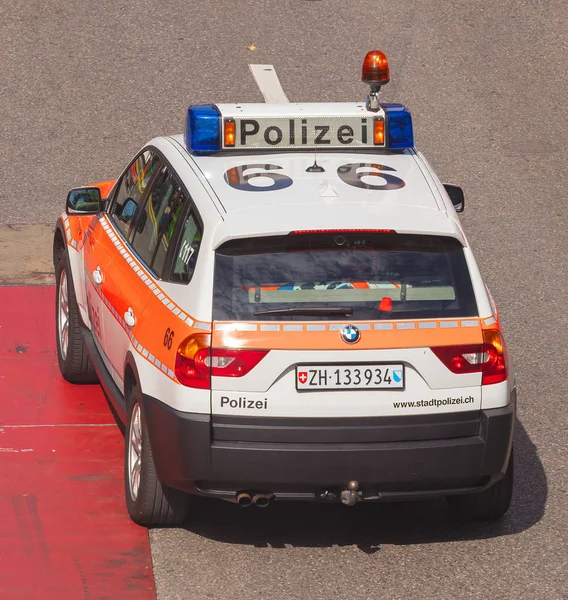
(350, 377)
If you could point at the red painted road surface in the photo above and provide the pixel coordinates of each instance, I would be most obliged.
(64, 529)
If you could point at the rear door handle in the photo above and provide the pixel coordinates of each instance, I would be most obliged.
(129, 317)
(97, 276)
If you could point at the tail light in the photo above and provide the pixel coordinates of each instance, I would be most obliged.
(191, 361)
(234, 363)
(496, 368)
(489, 358)
(196, 361)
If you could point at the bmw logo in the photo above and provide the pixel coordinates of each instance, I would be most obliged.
(350, 334)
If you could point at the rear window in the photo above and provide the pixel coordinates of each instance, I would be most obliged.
(331, 276)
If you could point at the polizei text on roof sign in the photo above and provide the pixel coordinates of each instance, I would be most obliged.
(284, 133)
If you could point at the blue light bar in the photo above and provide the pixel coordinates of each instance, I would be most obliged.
(203, 128)
(400, 135)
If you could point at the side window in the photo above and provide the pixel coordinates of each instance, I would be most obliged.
(156, 222)
(131, 188)
(187, 250)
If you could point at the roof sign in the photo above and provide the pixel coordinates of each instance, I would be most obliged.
(322, 126)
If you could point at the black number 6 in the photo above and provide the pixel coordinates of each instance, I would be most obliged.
(168, 338)
(238, 179)
(353, 174)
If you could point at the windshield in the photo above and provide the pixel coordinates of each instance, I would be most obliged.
(331, 276)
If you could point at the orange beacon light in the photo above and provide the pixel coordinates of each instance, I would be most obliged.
(375, 73)
(375, 68)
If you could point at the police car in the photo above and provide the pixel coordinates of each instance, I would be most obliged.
(281, 304)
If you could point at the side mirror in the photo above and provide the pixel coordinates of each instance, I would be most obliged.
(83, 201)
(456, 196)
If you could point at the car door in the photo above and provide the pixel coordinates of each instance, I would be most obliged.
(152, 231)
(97, 255)
(116, 224)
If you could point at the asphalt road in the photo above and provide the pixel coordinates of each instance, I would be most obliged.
(85, 84)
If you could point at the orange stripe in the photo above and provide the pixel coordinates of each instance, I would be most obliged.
(331, 340)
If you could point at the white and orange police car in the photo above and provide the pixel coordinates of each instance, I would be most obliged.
(281, 304)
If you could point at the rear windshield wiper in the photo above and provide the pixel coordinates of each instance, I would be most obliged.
(315, 311)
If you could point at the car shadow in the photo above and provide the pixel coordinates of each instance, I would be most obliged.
(367, 526)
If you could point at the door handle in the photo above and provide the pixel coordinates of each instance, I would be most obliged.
(97, 276)
(129, 317)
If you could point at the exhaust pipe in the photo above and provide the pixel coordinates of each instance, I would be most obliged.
(262, 500)
(244, 499)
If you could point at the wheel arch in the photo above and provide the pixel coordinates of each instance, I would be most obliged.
(59, 244)
(131, 375)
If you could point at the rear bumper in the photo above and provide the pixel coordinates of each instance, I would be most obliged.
(188, 458)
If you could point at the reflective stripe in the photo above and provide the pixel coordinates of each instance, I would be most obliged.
(448, 324)
(66, 227)
(490, 321)
(470, 323)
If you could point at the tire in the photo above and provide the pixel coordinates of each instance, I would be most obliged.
(148, 501)
(489, 505)
(74, 362)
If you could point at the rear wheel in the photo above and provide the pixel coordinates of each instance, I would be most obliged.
(74, 362)
(148, 501)
(491, 504)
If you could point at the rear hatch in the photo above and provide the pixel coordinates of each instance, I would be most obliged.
(340, 325)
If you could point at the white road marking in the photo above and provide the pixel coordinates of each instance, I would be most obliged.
(269, 84)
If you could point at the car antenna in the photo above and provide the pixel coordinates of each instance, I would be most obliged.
(315, 168)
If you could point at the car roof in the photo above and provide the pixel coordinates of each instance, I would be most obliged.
(324, 200)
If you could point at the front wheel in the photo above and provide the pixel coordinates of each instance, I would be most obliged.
(74, 362)
(148, 501)
(490, 505)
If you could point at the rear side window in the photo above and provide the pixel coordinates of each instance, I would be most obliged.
(188, 249)
(354, 276)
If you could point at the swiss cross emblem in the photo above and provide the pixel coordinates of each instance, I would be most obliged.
(302, 377)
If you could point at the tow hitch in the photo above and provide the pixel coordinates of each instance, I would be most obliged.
(351, 495)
